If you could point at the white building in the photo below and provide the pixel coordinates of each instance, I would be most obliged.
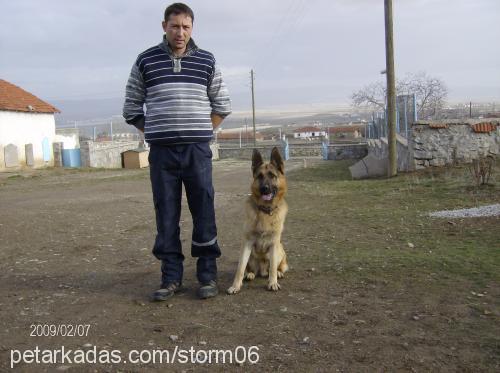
(27, 129)
(308, 132)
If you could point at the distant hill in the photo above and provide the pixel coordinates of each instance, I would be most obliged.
(101, 110)
(80, 110)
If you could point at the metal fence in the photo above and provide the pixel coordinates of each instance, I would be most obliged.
(406, 115)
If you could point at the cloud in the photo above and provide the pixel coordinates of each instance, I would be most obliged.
(301, 50)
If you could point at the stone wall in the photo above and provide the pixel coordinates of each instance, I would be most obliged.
(106, 154)
(440, 143)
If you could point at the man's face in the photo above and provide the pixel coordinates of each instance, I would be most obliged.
(178, 30)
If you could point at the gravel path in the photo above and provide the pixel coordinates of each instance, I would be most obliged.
(490, 210)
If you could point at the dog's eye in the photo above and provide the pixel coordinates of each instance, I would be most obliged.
(271, 175)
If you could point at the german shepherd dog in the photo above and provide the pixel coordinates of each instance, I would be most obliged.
(262, 253)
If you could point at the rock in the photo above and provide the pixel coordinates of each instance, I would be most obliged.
(174, 338)
(87, 345)
(203, 343)
(410, 245)
(415, 317)
(63, 368)
(283, 309)
(305, 340)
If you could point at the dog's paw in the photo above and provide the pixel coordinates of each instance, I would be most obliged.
(273, 286)
(249, 276)
(233, 290)
(281, 274)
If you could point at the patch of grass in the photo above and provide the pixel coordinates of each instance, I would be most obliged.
(383, 227)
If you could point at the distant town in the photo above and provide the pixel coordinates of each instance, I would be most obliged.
(340, 123)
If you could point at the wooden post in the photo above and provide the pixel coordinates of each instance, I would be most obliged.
(391, 91)
(253, 112)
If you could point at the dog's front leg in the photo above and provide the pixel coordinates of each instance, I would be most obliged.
(242, 264)
(274, 262)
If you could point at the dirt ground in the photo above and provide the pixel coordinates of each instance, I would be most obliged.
(75, 249)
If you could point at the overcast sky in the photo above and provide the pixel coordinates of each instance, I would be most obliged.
(303, 52)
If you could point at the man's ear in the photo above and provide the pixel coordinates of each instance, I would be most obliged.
(256, 160)
(277, 161)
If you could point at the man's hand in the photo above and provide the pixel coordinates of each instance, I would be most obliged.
(216, 120)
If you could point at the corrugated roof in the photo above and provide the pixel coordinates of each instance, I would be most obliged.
(13, 98)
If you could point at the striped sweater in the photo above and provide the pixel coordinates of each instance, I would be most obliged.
(179, 93)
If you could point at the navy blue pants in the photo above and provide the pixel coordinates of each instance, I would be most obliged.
(170, 166)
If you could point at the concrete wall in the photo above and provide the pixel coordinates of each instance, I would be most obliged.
(440, 143)
(21, 128)
(70, 137)
(338, 152)
(380, 149)
(298, 151)
(246, 153)
(295, 150)
(105, 154)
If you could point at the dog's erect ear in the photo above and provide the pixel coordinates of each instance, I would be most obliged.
(256, 160)
(277, 161)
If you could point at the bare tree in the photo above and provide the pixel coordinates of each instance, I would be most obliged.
(373, 96)
(430, 94)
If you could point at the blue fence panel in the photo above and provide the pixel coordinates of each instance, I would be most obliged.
(71, 158)
(406, 115)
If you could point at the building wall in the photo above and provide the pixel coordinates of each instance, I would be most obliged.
(21, 128)
(303, 135)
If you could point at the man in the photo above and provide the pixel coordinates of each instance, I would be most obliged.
(185, 98)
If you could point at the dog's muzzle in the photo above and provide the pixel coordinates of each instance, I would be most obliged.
(267, 193)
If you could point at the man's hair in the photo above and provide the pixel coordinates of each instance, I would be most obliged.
(178, 8)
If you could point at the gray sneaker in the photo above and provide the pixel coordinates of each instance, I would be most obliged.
(208, 290)
(166, 291)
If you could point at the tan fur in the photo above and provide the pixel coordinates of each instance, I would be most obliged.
(263, 253)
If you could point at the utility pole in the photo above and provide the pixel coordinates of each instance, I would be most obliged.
(246, 132)
(253, 111)
(391, 90)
